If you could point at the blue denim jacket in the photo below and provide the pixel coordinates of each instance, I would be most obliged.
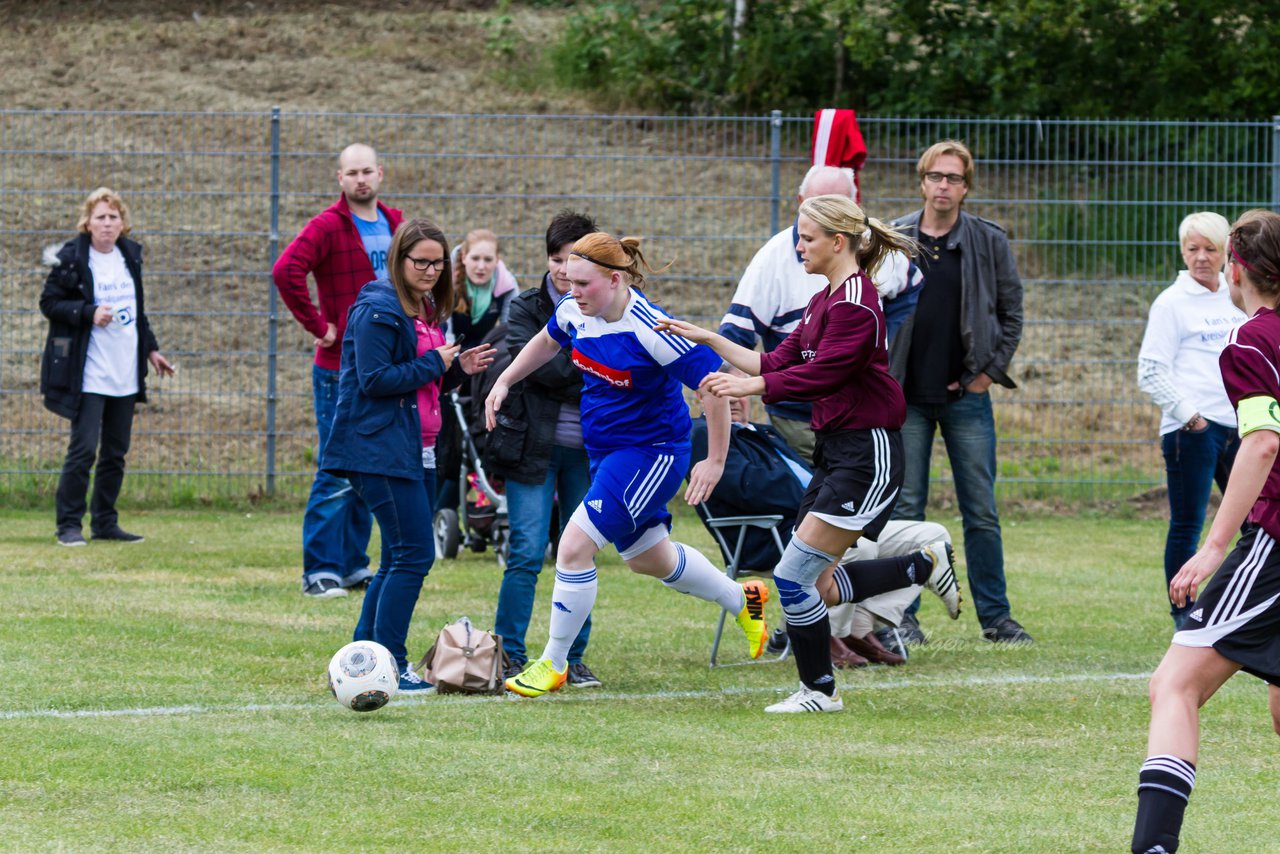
(376, 429)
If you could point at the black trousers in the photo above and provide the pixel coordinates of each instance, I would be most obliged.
(109, 419)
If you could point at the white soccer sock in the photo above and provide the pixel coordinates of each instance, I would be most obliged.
(694, 574)
(572, 598)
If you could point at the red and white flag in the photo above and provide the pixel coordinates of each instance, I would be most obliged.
(837, 141)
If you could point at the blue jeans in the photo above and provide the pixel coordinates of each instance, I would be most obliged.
(403, 508)
(969, 432)
(1193, 463)
(529, 515)
(337, 524)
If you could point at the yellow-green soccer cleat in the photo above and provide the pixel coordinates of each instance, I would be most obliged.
(751, 617)
(540, 677)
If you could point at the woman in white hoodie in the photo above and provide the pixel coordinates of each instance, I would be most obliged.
(1178, 366)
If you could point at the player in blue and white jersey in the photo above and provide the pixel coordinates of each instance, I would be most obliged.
(636, 426)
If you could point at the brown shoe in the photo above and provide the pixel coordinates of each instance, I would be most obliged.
(871, 649)
(842, 656)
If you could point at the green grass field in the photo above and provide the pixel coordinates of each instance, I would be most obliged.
(171, 696)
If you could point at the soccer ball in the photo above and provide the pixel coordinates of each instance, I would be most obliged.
(363, 676)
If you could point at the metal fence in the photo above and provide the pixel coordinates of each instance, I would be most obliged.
(1092, 208)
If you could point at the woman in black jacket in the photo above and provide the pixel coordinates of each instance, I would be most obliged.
(95, 361)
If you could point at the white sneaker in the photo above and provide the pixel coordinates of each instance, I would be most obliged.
(942, 580)
(807, 700)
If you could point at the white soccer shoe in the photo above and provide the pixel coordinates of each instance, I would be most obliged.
(942, 580)
(807, 700)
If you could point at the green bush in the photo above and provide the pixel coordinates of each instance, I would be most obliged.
(1150, 58)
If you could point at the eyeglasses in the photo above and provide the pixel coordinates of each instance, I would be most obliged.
(422, 265)
(938, 177)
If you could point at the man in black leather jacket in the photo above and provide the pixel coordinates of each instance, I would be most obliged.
(960, 340)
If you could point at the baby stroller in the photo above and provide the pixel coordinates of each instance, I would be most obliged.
(480, 519)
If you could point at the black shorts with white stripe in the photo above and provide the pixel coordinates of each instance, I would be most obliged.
(856, 478)
(1238, 612)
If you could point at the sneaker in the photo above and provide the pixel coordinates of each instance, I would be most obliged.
(807, 700)
(325, 588)
(411, 682)
(942, 580)
(120, 535)
(751, 618)
(910, 633)
(71, 537)
(540, 677)
(358, 580)
(513, 668)
(1007, 630)
(580, 676)
(777, 642)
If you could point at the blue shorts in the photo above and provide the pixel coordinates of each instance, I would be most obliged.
(627, 502)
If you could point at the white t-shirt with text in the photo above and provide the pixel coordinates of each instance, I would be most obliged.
(111, 365)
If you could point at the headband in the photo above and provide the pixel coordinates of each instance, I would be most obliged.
(601, 263)
(1246, 264)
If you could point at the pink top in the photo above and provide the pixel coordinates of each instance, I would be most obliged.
(429, 338)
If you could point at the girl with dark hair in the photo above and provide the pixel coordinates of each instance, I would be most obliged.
(838, 359)
(1235, 623)
(394, 361)
(636, 428)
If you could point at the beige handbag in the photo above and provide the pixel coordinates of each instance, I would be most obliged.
(465, 660)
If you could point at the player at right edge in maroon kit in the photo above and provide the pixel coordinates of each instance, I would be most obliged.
(1235, 623)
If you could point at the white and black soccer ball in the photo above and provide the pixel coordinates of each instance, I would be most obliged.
(363, 676)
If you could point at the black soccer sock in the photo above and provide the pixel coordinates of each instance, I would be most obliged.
(862, 579)
(1164, 787)
(811, 644)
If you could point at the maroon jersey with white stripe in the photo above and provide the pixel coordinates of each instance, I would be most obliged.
(838, 358)
(1250, 366)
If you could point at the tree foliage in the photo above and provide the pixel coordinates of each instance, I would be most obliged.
(1093, 58)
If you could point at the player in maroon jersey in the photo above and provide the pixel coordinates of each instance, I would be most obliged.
(838, 359)
(1235, 623)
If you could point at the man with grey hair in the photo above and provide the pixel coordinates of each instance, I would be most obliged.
(343, 248)
(775, 289)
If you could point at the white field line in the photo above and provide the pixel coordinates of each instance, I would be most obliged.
(571, 695)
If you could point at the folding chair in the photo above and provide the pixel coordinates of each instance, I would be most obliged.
(735, 528)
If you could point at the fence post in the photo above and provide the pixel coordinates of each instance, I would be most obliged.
(273, 315)
(775, 155)
(1275, 163)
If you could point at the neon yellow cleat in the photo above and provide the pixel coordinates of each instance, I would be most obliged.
(751, 617)
(540, 677)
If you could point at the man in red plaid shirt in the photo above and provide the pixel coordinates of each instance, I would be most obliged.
(344, 248)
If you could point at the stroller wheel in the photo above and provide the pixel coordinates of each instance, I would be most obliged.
(447, 535)
(501, 545)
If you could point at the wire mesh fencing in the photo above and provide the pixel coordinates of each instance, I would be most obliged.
(1092, 209)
